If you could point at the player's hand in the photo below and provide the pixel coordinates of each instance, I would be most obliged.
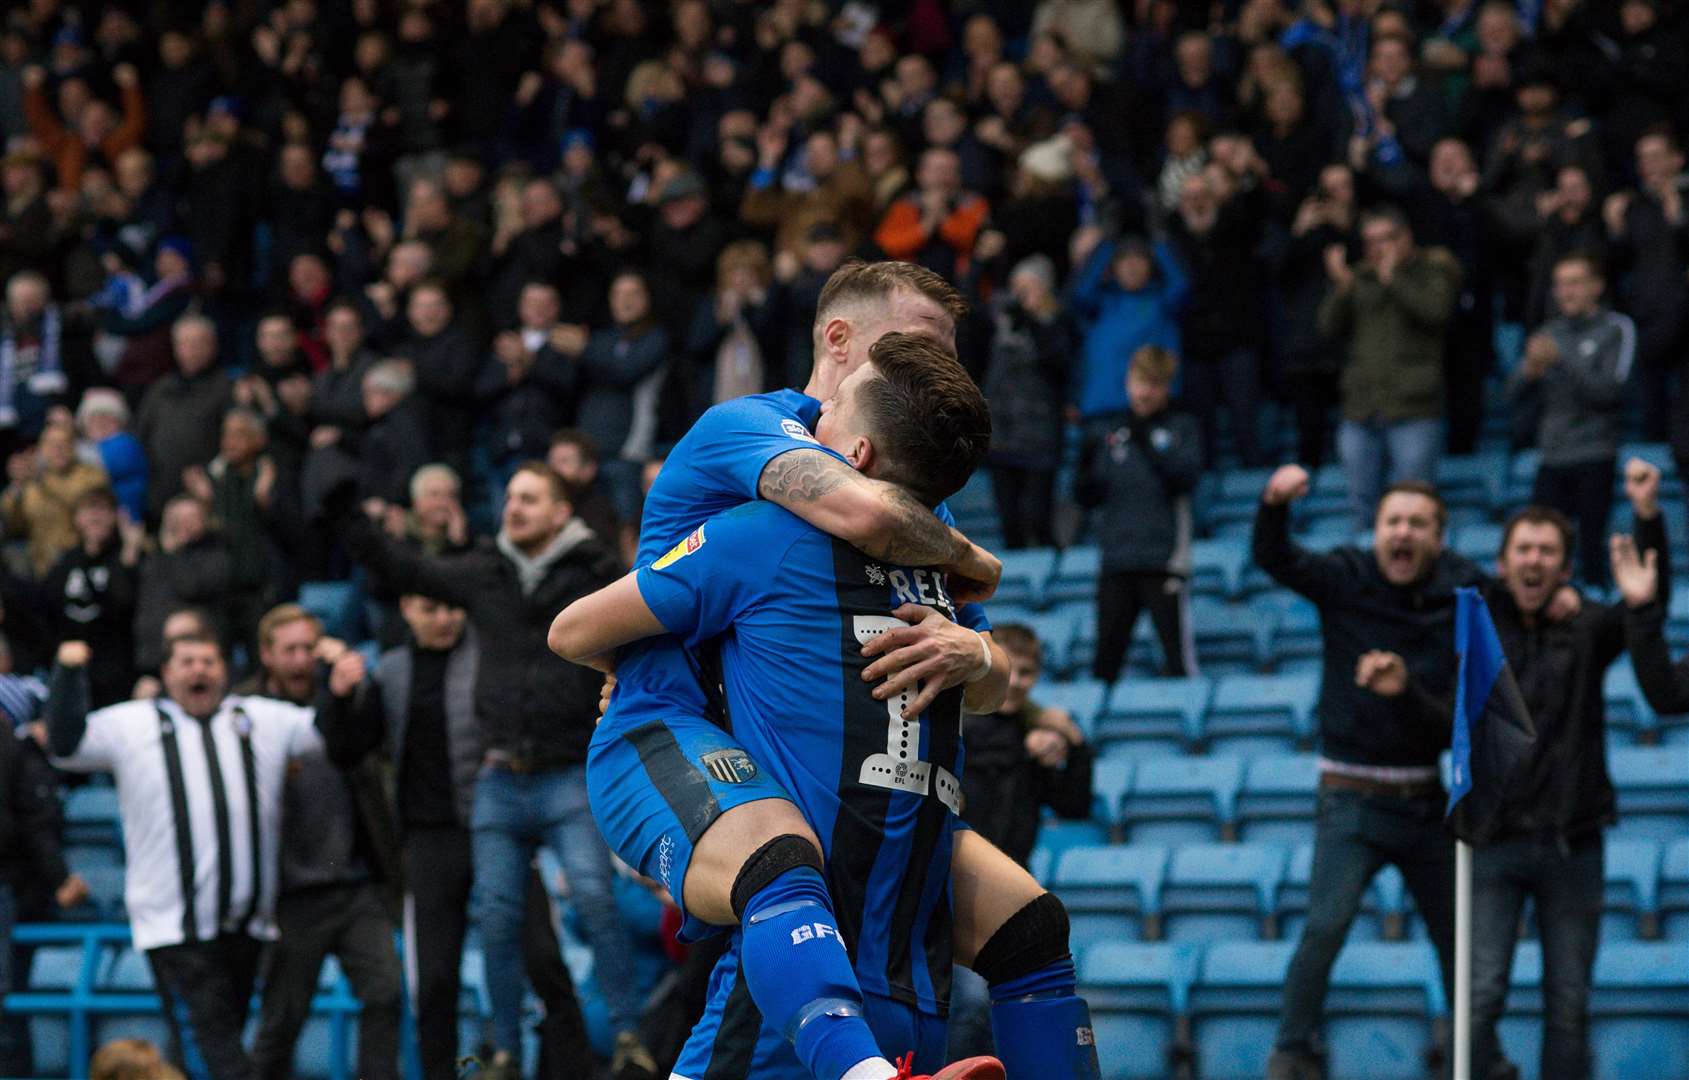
(973, 578)
(1642, 487)
(604, 693)
(930, 655)
(1637, 574)
(1286, 485)
(1564, 604)
(1383, 673)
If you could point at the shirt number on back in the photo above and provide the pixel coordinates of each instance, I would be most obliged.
(900, 767)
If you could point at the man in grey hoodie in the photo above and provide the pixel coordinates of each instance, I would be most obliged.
(1569, 391)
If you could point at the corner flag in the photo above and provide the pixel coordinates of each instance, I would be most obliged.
(1494, 734)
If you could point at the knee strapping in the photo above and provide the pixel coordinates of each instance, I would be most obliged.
(1032, 939)
(767, 863)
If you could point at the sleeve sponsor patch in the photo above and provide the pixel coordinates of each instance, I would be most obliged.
(796, 430)
(681, 550)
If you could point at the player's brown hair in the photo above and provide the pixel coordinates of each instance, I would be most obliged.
(929, 422)
(857, 281)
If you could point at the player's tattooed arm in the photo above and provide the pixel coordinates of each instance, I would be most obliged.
(880, 519)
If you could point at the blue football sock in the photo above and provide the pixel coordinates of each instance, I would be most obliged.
(1043, 1027)
(800, 975)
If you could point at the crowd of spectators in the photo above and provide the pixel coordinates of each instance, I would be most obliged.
(249, 251)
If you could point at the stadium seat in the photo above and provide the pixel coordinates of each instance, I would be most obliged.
(1082, 698)
(1056, 630)
(91, 816)
(1025, 573)
(1521, 480)
(1674, 890)
(1057, 836)
(1520, 1028)
(1297, 641)
(1472, 480)
(1153, 717)
(1653, 791)
(1277, 800)
(1138, 993)
(1075, 576)
(1218, 891)
(1226, 639)
(337, 604)
(1234, 1006)
(1261, 714)
(1112, 891)
(1629, 717)
(1217, 567)
(1381, 1010)
(1183, 800)
(1111, 778)
(1639, 1010)
(1480, 543)
(1631, 909)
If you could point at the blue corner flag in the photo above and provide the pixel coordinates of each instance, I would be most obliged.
(1493, 731)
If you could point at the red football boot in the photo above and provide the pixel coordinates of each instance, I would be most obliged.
(974, 1068)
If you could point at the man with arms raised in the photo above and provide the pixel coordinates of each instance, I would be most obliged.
(727, 847)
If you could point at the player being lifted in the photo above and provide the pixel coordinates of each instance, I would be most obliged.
(735, 849)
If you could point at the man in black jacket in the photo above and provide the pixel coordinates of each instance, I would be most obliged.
(432, 739)
(1548, 843)
(1381, 798)
(536, 715)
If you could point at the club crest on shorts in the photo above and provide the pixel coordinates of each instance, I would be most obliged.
(731, 766)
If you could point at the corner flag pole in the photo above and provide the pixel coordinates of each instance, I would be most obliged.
(1462, 960)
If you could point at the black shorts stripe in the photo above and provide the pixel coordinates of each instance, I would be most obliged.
(249, 770)
(681, 783)
(184, 826)
(734, 1049)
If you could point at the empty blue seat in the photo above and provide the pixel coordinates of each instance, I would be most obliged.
(1055, 630)
(1381, 1009)
(1474, 480)
(1218, 891)
(56, 967)
(1075, 575)
(1639, 1010)
(1629, 717)
(1234, 1006)
(1257, 714)
(1153, 717)
(1277, 800)
(1111, 778)
(1082, 698)
(1520, 1028)
(1057, 835)
(129, 971)
(1226, 638)
(1112, 891)
(1480, 543)
(1025, 574)
(1218, 565)
(1183, 800)
(1521, 480)
(1138, 993)
(1631, 909)
(92, 815)
(1296, 632)
(1652, 783)
(338, 606)
(1674, 890)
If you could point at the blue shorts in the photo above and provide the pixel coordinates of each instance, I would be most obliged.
(731, 1039)
(656, 786)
